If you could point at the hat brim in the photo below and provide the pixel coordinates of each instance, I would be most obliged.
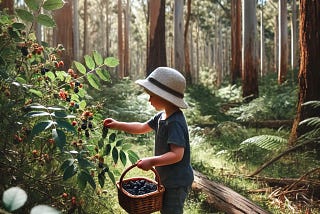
(162, 93)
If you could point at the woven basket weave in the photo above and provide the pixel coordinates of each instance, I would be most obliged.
(140, 204)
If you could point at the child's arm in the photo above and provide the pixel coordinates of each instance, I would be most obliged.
(130, 127)
(173, 156)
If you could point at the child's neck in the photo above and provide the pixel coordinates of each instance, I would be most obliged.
(170, 110)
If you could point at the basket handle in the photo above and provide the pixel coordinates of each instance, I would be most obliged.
(134, 165)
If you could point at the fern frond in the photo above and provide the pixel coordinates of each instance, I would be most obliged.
(314, 103)
(268, 142)
(312, 121)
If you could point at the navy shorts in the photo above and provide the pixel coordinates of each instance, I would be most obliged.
(173, 200)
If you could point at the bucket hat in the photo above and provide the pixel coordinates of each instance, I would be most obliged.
(168, 84)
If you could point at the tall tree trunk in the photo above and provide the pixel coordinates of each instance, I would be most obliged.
(157, 45)
(63, 34)
(276, 44)
(76, 36)
(294, 35)
(235, 40)
(262, 46)
(178, 36)
(186, 45)
(309, 75)
(8, 5)
(249, 59)
(85, 28)
(283, 42)
(120, 41)
(107, 47)
(126, 40)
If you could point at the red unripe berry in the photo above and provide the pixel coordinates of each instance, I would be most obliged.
(61, 64)
(70, 71)
(74, 123)
(64, 195)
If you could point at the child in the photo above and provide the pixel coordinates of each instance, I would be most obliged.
(172, 149)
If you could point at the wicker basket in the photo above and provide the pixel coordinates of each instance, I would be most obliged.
(140, 204)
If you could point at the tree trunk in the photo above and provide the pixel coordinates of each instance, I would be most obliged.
(235, 40)
(283, 42)
(186, 45)
(223, 198)
(85, 28)
(76, 36)
(294, 35)
(249, 58)
(7, 4)
(262, 46)
(126, 40)
(309, 75)
(120, 41)
(178, 36)
(62, 33)
(157, 45)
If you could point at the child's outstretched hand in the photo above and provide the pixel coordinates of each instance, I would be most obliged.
(109, 123)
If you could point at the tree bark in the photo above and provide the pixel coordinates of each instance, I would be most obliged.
(235, 40)
(120, 41)
(7, 4)
(178, 36)
(156, 39)
(223, 198)
(249, 59)
(309, 75)
(283, 42)
(186, 45)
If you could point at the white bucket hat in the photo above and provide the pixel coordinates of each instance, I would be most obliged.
(168, 84)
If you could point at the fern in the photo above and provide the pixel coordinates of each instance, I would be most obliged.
(268, 142)
(312, 121)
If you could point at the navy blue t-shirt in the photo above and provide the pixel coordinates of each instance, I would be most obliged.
(173, 130)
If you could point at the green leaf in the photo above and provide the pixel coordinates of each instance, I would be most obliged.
(59, 138)
(61, 75)
(53, 4)
(111, 62)
(32, 4)
(66, 125)
(21, 80)
(84, 163)
(24, 15)
(14, 198)
(94, 81)
(40, 209)
(82, 180)
(91, 181)
(115, 155)
(133, 157)
(80, 67)
(51, 75)
(112, 137)
(89, 62)
(103, 74)
(119, 142)
(101, 179)
(46, 20)
(82, 105)
(37, 114)
(41, 126)
(59, 114)
(69, 172)
(66, 164)
(100, 143)
(97, 58)
(36, 92)
(123, 158)
(18, 26)
(111, 176)
(107, 149)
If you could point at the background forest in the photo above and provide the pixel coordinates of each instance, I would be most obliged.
(252, 69)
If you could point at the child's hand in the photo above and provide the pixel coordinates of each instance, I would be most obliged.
(145, 164)
(109, 123)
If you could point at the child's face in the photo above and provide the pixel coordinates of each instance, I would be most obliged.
(156, 101)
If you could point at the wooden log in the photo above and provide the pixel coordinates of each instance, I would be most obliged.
(223, 198)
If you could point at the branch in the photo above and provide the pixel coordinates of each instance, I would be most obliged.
(280, 155)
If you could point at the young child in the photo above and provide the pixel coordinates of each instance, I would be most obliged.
(171, 158)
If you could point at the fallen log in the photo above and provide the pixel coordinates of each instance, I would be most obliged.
(223, 198)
